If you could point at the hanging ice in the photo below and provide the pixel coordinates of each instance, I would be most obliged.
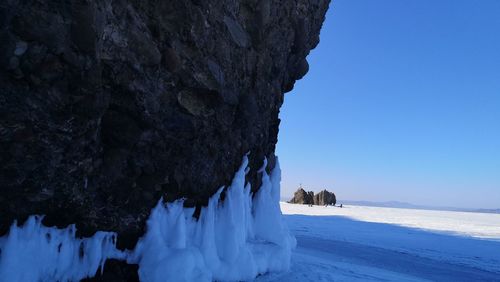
(233, 240)
(34, 252)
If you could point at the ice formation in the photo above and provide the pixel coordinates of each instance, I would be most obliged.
(233, 240)
(34, 252)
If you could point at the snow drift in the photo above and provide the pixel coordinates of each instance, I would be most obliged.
(234, 239)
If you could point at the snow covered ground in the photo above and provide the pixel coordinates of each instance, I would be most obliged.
(359, 243)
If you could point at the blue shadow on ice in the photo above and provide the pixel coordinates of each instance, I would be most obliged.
(434, 255)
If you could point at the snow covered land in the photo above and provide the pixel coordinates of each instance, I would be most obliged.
(358, 243)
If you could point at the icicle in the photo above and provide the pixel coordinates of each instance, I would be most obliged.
(37, 253)
(236, 239)
(233, 240)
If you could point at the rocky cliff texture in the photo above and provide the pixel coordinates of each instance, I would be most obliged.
(309, 198)
(324, 198)
(106, 106)
(302, 197)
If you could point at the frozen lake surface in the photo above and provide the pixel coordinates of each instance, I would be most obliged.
(357, 243)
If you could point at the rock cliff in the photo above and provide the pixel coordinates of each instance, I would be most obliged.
(325, 198)
(309, 198)
(106, 106)
(302, 197)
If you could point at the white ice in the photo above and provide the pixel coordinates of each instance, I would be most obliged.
(233, 240)
(34, 252)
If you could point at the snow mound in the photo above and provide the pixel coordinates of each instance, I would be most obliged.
(233, 240)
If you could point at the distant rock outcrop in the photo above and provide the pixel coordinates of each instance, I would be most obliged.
(302, 197)
(308, 198)
(325, 198)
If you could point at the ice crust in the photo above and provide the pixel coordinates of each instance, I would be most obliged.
(232, 240)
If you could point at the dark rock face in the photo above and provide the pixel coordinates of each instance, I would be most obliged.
(106, 106)
(323, 198)
(302, 197)
(116, 271)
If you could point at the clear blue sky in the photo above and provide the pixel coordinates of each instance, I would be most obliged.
(401, 102)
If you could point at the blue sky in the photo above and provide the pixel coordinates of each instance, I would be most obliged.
(401, 102)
